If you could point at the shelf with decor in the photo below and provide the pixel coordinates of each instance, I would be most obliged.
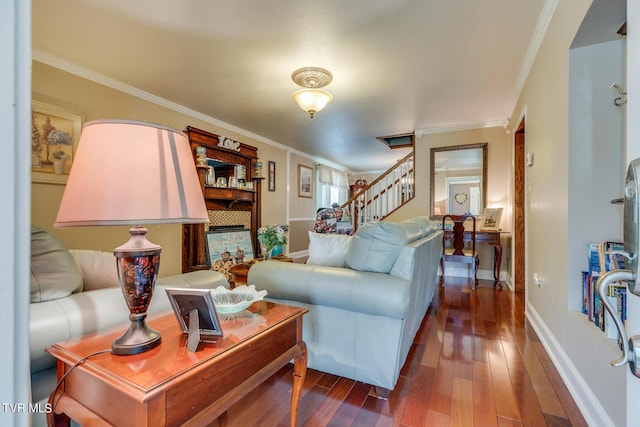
(231, 189)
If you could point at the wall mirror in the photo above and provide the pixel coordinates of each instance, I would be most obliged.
(458, 179)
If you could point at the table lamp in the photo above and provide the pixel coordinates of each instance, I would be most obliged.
(133, 173)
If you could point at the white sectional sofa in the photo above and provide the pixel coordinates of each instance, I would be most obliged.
(363, 314)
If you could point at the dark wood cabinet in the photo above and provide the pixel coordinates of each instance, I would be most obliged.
(226, 155)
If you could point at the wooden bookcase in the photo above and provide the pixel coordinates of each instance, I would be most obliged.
(227, 155)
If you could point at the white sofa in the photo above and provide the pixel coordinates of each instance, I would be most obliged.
(363, 316)
(77, 292)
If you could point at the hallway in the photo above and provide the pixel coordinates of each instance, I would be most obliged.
(474, 362)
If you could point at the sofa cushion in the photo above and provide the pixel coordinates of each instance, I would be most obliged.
(376, 245)
(54, 273)
(328, 249)
(98, 269)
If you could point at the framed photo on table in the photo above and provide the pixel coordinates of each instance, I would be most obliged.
(491, 219)
(55, 133)
(305, 181)
(196, 314)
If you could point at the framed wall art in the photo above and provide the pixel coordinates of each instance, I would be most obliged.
(55, 133)
(491, 219)
(305, 181)
(272, 175)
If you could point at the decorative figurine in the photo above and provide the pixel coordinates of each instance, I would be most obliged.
(201, 156)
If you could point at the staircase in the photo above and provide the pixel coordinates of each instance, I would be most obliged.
(386, 194)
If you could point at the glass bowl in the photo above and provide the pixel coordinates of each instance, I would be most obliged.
(235, 300)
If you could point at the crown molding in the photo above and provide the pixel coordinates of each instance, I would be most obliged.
(96, 77)
(548, 10)
(461, 127)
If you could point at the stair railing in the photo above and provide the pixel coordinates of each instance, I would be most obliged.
(386, 194)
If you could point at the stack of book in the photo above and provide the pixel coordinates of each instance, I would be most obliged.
(603, 257)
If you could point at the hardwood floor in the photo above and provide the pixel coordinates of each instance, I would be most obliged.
(474, 362)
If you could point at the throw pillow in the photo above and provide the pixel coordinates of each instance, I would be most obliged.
(54, 273)
(376, 246)
(98, 269)
(328, 249)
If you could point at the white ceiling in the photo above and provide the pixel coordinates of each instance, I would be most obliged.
(398, 65)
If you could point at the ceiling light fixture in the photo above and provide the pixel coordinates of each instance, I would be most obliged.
(312, 99)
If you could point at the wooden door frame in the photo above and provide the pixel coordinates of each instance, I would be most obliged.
(519, 209)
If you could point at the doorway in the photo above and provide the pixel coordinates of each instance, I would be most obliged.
(519, 210)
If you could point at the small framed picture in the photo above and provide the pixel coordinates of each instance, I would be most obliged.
(305, 181)
(491, 219)
(185, 300)
(272, 175)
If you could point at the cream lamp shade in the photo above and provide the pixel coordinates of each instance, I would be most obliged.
(127, 172)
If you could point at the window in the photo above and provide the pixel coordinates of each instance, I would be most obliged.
(332, 186)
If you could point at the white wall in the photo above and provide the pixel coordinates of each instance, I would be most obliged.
(596, 171)
(15, 99)
(596, 161)
(557, 191)
(633, 152)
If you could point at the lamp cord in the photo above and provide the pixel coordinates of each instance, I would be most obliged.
(79, 362)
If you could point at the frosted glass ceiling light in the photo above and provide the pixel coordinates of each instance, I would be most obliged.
(312, 99)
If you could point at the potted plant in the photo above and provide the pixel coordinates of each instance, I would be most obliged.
(59, 139)
(271, 236)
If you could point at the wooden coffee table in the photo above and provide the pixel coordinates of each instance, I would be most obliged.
(168, 385)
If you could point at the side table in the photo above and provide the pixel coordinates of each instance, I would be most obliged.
(170, 386)
(239, 272)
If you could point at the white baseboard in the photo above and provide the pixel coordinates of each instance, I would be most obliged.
(590, 407)
(482, 274)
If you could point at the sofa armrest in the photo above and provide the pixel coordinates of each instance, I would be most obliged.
(195, 279)
(99, 271)
(359, 291)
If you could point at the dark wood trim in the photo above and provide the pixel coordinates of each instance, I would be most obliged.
(623, 30)
(231, 199)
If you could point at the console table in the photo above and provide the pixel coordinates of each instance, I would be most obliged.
(492, 238)
(169, 385)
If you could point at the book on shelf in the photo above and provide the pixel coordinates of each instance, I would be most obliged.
(604, 256)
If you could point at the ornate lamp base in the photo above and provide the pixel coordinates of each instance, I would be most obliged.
(138, 262)
(138, 339)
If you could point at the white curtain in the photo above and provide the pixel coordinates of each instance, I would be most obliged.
(332, 186)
